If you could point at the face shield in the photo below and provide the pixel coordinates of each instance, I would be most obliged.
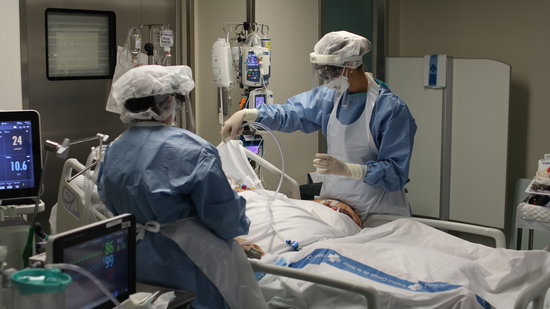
(157, 107)
(336, 51)
(148, 92)
(330, 71)
(183, 106)
(327, 72)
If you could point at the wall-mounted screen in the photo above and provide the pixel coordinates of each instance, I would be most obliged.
(80, 44)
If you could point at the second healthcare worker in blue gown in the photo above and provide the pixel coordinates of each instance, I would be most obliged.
(369, 130)
(172, 181)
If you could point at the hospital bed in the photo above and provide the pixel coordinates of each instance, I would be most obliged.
(525, 286)
(78, 203)
(521, 295)
(343, 285)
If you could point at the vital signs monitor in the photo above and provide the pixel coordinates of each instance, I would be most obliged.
(20, 154)
(107, 249)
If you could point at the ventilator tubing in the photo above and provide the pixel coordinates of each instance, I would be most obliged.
(272, 197)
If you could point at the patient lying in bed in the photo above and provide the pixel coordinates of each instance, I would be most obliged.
(410, 264)
(304, 222)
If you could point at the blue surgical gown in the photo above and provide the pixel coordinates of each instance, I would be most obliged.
(161, 173)
(392, 126)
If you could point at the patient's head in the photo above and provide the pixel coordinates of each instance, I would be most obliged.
(343, 208)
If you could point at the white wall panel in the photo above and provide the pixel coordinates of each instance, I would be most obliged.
(480, 141)
(405, 77)
(294, 31)
(479, 138)
(10, 62)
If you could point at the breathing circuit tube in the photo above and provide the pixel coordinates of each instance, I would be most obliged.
(88, 275)
(294, 245)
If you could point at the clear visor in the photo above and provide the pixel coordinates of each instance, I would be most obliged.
(336, 60)
(327, 72)
(324, 74)
(180, 100)
(184, 109)
(158, 107)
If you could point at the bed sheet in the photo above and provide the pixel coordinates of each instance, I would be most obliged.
(303, 221)
(236, 167)
(411, 265)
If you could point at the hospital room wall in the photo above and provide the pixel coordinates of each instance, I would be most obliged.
(505, 30)
(292, 74)
(10, 84)
(209, 20)
(293, 30)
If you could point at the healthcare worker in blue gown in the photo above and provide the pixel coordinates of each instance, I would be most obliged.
(369, 130)
(172, 181)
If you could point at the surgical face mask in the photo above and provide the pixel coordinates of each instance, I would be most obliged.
(339, 84)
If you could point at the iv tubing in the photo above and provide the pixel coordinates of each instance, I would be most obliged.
(272, 197)
(87, 274)
(257, 124)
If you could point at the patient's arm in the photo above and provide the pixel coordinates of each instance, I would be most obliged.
(343, 208)
(252, 250)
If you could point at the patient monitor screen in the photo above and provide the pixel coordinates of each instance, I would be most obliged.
(16, 154)
(105, 257)
(107, 250)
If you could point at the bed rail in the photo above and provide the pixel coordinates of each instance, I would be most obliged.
(367, 291)
(496, 234)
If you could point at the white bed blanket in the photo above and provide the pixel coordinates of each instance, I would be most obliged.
(411, 265)
(303, 221)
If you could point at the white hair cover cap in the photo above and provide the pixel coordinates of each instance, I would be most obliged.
(151, 80)
(346, 48)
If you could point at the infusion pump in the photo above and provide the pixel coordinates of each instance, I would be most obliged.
(251, 65)
(259, 96)
(255, 64)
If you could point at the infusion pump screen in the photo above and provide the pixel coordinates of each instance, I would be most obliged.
(260, 100)
(252, 60)
(16, 166)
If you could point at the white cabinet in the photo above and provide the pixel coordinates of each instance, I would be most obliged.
(458, 167)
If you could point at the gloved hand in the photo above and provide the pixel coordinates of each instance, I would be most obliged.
(327, 164)
(232, 126)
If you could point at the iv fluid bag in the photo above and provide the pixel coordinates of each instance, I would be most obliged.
(166, 39)
(221, 63)
(134, 41)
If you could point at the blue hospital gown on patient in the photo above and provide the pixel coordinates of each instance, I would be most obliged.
(161, 173)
